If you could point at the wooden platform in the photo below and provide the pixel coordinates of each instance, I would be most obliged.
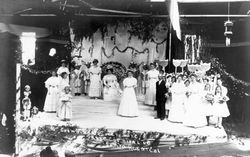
(92, 113)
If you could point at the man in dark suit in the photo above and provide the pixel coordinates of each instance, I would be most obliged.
(161, 91)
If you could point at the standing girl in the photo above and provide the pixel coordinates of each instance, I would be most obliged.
(65, 108)
(95, 80)
(152, 77)
(128, 105)
(220, 109)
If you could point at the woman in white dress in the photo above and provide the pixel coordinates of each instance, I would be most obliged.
(51, 101)
(177, 107)
(207, 95)
(111, 86)
(95, 80)
(220, 108)
(128, 105)
(63, 68)
(194, 115)
(152, 78)
(63, 82)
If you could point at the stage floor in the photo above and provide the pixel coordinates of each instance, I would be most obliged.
(92, 113)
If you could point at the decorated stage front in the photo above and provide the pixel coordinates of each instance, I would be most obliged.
(96, 127)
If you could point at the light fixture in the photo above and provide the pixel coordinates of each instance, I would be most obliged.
(228, 28)
(52, 52)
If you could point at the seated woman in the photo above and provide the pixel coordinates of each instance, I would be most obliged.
(111, 86)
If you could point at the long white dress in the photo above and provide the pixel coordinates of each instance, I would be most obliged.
(176, 113)
(150, 97)
(128, 105)
(110, 91)
(95, 81)
(207, 106)
(65, 107)
(194, 115)
(52, 96)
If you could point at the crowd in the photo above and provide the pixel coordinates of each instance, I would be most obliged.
(183, 98)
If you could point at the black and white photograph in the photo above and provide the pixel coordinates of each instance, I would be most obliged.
(119, 78)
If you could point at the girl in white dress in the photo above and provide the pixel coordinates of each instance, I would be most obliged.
(128, 105)
(65, 107)
(52, 96)
(111, 86)
(95, 80)
(220, 109)
(177, 108)
(152, 77)
(194, 115)
(207, 97)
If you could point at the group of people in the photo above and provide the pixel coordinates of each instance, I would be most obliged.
(182, 98)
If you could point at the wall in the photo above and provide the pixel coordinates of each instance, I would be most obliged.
(120, 40)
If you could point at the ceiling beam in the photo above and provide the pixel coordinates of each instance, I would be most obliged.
(210, 1)
(139, 15)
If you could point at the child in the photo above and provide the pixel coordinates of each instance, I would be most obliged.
(220, 108)
(65, 108)
(26, 103)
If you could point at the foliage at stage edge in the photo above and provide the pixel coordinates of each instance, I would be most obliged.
(235, 86)
(102, 139)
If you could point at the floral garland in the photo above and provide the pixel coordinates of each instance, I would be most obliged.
(134, 51)
(77, 140)
(236, 86)
(118, 69)
(27, 68)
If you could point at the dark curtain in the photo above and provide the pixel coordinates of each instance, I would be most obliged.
(35, 79)
(237, 61)
(8, 47)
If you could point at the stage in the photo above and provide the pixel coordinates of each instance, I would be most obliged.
(96, 113)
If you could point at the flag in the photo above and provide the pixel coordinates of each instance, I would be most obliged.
(174, 17)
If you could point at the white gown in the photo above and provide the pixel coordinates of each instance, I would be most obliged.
(176, 113)
(150, 97)
(194, 115)
(95, 81)
(110, 93)
(52, 96)
(128, 105)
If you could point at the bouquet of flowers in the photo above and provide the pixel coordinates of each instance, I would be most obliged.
(188, 93)
(223, 99)
(209, 97)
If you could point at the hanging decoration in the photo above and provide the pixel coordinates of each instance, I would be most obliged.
(134, 51)
(228, 28)
(193, 46)
(33, 71)
(52, 52)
